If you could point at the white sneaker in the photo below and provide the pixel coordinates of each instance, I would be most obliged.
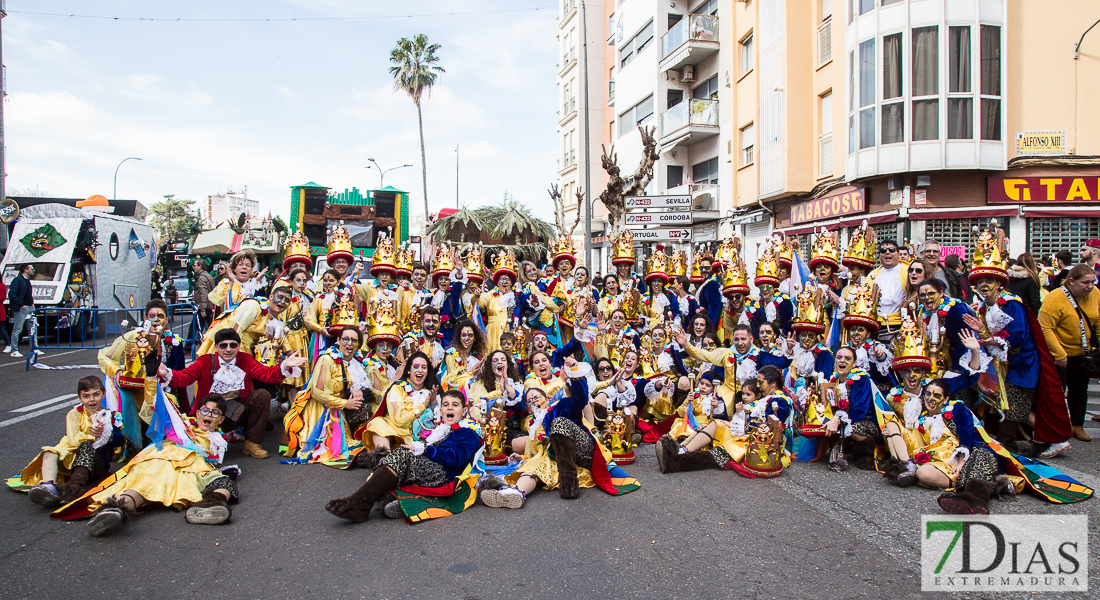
(505, 497)
(17, 354)
(7, 349)
(1054, 450)
(39, 353)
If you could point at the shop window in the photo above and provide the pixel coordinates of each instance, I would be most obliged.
(954, 232)
(1047, 236)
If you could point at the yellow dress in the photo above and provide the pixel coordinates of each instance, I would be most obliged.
(111, 361)
(402, 406)
(250, 321)
(680, 427)
(497, 310)
(229, 292)
(458, 371)
(78, 424)
(918, 441)
(379, 377)
(296, 336)
(323, 400)
(173, 476)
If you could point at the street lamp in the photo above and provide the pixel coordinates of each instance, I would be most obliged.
(382, 174)
(114, 195)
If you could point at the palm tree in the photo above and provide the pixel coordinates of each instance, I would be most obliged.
(415, 70)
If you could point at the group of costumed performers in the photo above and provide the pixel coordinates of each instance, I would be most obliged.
(481, 376)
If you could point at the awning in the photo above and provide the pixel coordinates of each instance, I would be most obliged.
(872, 219)
(1069, 212)
(933, 214)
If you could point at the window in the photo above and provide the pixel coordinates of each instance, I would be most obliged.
(1049, 235)
(674, 176)
(889, 2)
(747, 142)
(636, 44)
(674, 97)
(746, 54)
(958, 58)
(825, 42)
(926, 82)
(866, 6)
(636, 115)
(867, 94)
(851, 102)
(960, 118)
(990, 82)
(825, 139)
(708, 90)
(826, 9)
(705, 172)
(710, 7)
(893, 113)
(568, 149)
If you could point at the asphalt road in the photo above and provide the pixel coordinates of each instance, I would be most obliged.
(810, 533)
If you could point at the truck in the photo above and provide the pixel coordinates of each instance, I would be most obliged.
(82, 258)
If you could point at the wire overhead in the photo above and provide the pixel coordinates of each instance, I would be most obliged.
(276, 19)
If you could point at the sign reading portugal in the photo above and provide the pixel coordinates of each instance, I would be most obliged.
(828, 207)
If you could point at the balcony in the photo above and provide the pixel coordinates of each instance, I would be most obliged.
(688, 122)
(689, 42)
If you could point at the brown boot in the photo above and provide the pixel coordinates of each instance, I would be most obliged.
(1008, 433)
(1079, 433)
(211, 510)
(254, 450)
(77, 485)
(671, 461)
(357, 507)
(973, 500)
(599, 412)
(565, 453)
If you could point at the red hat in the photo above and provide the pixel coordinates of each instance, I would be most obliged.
(1093, 243)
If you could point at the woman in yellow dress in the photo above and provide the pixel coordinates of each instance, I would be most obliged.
(464, 356)
(497, 389)
(241, 283)
(177, 474)
(705, 406)
(337, 400)
(402, 403)
(296, 335)
(498, 307)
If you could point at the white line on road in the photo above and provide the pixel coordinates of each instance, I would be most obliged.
(44, 403)
(50, 355)
(32, 415)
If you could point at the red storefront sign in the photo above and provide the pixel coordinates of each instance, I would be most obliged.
(1004, 190)
(829, 207)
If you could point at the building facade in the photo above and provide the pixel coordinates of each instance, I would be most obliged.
(219, 208)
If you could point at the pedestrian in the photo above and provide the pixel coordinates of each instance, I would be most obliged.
(953, 269)
(4, 335)
(1023, 280)
(204, 283)
(1063, 261)
(21, 298)
(171, 294)
(1070, 317)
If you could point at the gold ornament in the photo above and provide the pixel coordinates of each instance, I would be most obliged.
(677, 265)
(622, 248)
(345, 310)
(826, 250)
(655, 268)
(443, 263)
(405, 260)
(383, 326)
(862, 301)
(339, 244)
(385, 257)
(504, 264)
(861, 248)
(990, 255)
(562, 249)
(809, 310)
(767, 269)
(475, 264)
(911, 347)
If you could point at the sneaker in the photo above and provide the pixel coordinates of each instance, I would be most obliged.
(1054, 450)
(7, 349)
(39, 353)
(105, 521)
(208, 515)
(45, 494)
(505, 497)
(393, 510)
(17, 354)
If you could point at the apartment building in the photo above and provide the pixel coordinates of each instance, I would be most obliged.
(218, 208)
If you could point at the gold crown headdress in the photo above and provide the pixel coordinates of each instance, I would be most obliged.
(735, 280)
(701, 252)
(911, 347)
(385, 256)
(562, 249)
(339, 244)
(825, 250)
(655, 267)
(475, 263)
(782, 252)
(405, 260)
(767, 269)
(677, 265)
(728, 251)
(809, 310)
(861, 248)
(622, 248)
(504, 264)
(383, 320)
(443, 262)
(296, 249)
(990, 254)
(862, 301)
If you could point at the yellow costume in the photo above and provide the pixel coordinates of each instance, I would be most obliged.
(403, 405)
(696, 401)
(497, 310)
(78, 424)
(249, 319)
(323, 400)
(296, 336)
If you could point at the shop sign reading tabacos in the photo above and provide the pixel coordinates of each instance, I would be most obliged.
(829, 207)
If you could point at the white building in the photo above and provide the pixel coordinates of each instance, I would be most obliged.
(219, 208)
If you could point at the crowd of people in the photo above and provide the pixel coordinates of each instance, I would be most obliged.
(475, 377)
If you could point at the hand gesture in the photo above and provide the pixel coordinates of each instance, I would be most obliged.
(681, 337)
(714, 402)
(569, 361)
(973, 322)
(969, 340)
(477, 366)
(261, 274)
(789, 343)
(355, 402)
(96, 429)
(294, 360)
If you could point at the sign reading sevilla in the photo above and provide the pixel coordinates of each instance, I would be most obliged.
(828, 207)
(1043, 189)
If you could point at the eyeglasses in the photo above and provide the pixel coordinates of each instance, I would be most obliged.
(350, 340)
(606, 369)
(210, 412)
(927, 295)
(228, 345)
(887, 250)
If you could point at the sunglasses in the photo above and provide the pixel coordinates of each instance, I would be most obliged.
(228, 345)
(887, 250)
(210, 412)
(350, 340)
(606, 369)
(917, 271)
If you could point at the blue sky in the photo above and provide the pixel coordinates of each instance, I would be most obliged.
(216, 105)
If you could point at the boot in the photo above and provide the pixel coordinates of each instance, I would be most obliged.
(674, 462)
(211, 510)
(1008, 435)
(111, 516)
(371, 459)
(973, 500)
(599, 411)
(357, 507)
(78, 484)
(254, 450)
(565, 453)
(1079, 433)
(837, 462)
(861, 453)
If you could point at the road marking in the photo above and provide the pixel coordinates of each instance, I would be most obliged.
(32, 415)
(48, 355)
(44, 403)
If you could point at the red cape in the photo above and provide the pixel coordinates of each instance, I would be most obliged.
(1052, 424)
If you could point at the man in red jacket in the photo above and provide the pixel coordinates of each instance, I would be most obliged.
(230, 372)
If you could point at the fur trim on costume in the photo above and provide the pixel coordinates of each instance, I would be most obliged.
(1003, 488)
(357, 506)
(892, 469)
(371, 459)
(860, 453)
(490, 481)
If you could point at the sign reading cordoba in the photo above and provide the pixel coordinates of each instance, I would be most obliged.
(837, 205)
(635, 220)
(662, 235)
(633, 202)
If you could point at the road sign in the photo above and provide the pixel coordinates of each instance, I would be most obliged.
(662, 235)
(640, 202)
(636, 220)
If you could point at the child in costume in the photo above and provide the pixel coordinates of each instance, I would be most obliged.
(62, 473)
